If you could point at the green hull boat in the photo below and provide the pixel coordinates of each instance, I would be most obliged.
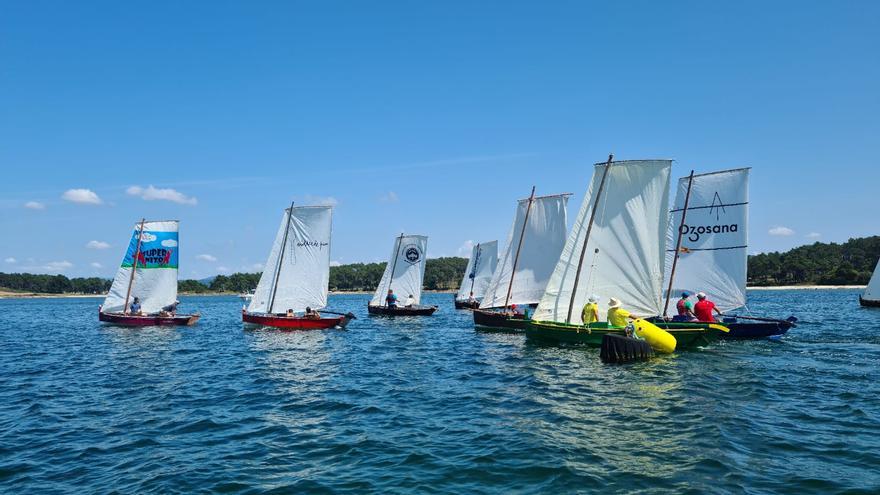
(687, 335)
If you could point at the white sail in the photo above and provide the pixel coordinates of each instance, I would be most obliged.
(155, 275)
(297, 272)
(481, 266)
(872, 292)
(405, 270)
(713, 256)
(625, 252)
(541, 244)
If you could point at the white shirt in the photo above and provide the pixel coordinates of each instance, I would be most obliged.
(409, 301)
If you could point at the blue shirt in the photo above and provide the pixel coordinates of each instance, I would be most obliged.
(391, 300)
(135, 307)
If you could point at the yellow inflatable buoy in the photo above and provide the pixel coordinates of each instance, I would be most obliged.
(660, 340)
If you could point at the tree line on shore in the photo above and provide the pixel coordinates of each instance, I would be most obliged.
(848, 263)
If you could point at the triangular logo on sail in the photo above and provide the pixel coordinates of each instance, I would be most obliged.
(412, 254)
(718, 207)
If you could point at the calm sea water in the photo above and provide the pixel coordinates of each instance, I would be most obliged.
(430, 405)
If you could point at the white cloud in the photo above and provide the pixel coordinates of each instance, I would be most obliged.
(466, 248)
(97, 245)
(81, 196)
(781, 231)
(814, 235)
(152, 194)
(206, 257)
(389, 197)
(11, 260)
(169, 243)
(35, 205)
(335, 263)
(95, 264)
(222, 269)
(57, 266)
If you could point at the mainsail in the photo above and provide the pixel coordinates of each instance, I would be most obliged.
(542, 241)
(152, 255)
(405, 270)
(872, 292)
(624, 254)
(481, 266)
(297, 272)
(714, 237)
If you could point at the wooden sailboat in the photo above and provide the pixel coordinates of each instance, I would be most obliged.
(296, 275)
(615, 249)
(871, 296)
(148, 273)
(403, 277)
(533, 246)
(709, 229)
(481, 266)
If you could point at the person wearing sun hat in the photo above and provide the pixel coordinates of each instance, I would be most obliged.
(617, 316)
(590, 313)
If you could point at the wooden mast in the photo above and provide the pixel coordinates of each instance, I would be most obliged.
(687, 199)
(519, 247)
(577, 273)
(280, 259)
(393, 266)
(134, 262)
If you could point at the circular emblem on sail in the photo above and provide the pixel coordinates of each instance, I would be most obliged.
(412, 254)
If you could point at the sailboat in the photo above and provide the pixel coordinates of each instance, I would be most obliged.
(871, 297)
(615, 249)
(403, 277)
(294, 283)
(708, 241)
(533, 245)
(481, 266)
(148, 273)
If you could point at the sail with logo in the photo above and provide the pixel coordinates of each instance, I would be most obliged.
(144, 290)
(294, 284)
(400, 290)
(707, 252)
(481, 266)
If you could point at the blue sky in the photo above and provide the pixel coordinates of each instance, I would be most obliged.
(424, 117)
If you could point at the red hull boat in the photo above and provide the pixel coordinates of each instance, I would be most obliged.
(295, 322)
(147, 320)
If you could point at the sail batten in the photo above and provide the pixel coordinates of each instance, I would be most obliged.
(405, 270)
(543, 237)
(154, 266)
(297, 272)
(478, 275)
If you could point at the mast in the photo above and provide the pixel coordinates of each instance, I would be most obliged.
(280, 258)
(393, 266)
(687, 199)
(519, 246)
(137, 253)
(577, 273)
(474, 269)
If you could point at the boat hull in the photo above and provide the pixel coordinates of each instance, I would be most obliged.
(740, 330)
(496, 320)
(293, 322)
(400, 311)
(466, 305)
(868, 303)
(120, 319)
(687, 335)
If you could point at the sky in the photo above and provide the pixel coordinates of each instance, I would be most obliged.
(420, 117)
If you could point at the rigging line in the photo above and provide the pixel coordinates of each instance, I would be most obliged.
(709, 206)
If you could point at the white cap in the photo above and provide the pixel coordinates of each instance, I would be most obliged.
(594, 298)
(701, 295)
(613, 303)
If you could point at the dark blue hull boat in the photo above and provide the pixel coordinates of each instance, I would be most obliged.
(749, 328)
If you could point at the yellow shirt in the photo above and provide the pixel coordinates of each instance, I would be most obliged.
(590, 313)
(617, 317)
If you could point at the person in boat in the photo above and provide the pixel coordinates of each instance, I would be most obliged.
(685, 308)
(617, 316)
(289, 313)
(471, 299)
(704, 308)
(410, 300)
(135, 307)
(391, 299)
(169, 310)
(311, 314)
(590, 313)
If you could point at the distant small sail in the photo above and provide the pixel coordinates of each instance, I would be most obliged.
(872, 292)
(155, 279)
(407, 264)
(297, 273)
(481, 266)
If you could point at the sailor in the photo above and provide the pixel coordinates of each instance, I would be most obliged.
(135, 307)
(311, 314)
(471, 299)
(590, 313)
(410, 300)
(169, 310)
(685, 308)
(704, 308)
(391, 299)
(289, 313)
(617, 316)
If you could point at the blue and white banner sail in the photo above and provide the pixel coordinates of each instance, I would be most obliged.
(405, 270)
(481, 266)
